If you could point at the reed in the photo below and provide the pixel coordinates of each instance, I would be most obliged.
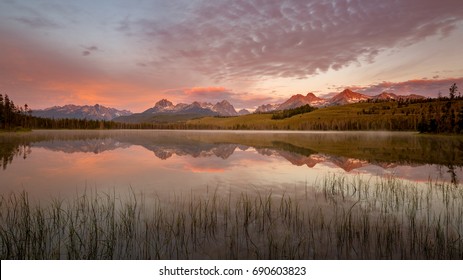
(338, 218)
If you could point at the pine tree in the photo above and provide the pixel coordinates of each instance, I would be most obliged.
(1, 112)
(453, 91)
(6, 112)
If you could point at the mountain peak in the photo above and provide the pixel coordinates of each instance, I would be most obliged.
(348, 92)
(385, 96)
(224, 102)
(265, 108)
(347, 96)
(243, 112)
(311, 95)
(299, 100)
(163, 103)
(224, 108)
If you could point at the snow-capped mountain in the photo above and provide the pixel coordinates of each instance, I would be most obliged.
(164, 106)
(266, 108)
(195, 108)
(96, 112)
(166, 111)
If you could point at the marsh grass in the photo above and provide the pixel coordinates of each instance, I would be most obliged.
(338, 218)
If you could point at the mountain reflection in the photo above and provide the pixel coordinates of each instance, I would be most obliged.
(347, 151)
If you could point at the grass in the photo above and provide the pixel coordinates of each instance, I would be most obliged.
(338, 218)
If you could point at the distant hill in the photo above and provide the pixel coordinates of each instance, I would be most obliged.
(96, 112)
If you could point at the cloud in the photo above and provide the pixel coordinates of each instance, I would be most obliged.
(425, 87)
(246, 51)
(226, 40)
(37, 22)
(208, 93)
(41, 77)
(89, 50)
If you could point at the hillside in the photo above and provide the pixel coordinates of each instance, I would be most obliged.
(433, 115)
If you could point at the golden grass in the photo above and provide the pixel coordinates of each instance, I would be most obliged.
(357, 116)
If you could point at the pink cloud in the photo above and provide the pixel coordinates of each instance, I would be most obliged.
(425, 87)
(235, 39)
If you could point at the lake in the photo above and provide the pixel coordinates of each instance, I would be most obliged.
(65, 162)
(260, 194)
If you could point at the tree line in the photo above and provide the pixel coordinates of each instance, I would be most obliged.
(13, 117)
(446, 116)
(288, 113)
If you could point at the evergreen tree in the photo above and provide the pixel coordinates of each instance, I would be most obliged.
(460, 121)
(453, 91)
(6, 112)
(1, 112)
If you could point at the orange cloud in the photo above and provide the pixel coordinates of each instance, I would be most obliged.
(108, 93)
(199, 90)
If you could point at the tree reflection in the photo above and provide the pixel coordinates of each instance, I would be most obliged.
(8, 151)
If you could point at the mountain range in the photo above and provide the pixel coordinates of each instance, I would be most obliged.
(96, 112)
(165, 111)
(345, 97)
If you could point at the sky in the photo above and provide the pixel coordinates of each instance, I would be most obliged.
(130, 54)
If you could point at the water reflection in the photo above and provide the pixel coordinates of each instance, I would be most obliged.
(411, 156)
(360, 148)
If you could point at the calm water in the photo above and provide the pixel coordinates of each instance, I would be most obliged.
(62, 163)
